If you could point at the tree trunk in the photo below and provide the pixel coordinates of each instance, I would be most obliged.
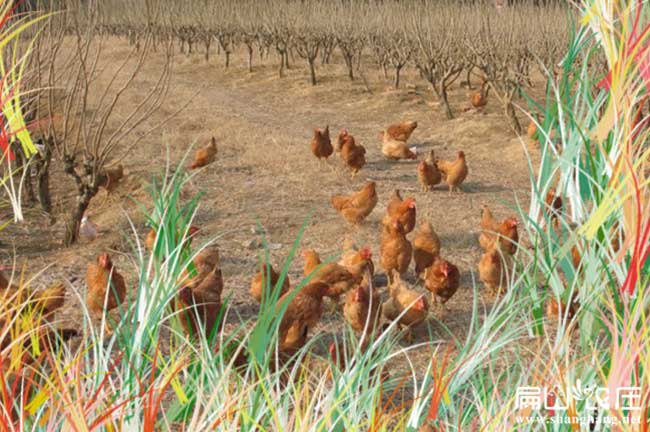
(207, 49)
(312, 70)
(469, 78)
(286, 59)
(445, 102)
(24, 173)
(281, 64)
(349, 62)
(250, 58)
(512, 118)
(327, 53)
(227, 59)
(73, 224)
(43, 182)
(398, 70)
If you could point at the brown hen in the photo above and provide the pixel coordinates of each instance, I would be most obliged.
(402, 210)
(338, 279)
(558, 310)
(109, 178)
(362, 309)
(493, 271)
(357, 206)
(426, 247)
(106, 286)
(553, 205)
(442, 279)
(269, 278)
(207, 260)
(479, 99)
(428, 173)
(394, 149)
(205, 156)
(358, 262)
(199, 303)
(395, 250)
(401, 131)
(44, 302)
(405, 300)
(303, 312)
(492, 230)
(352, 154)
(321, 145)
(454, 172)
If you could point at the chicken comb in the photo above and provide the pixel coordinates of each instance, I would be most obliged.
(366, 251)
(104, 260)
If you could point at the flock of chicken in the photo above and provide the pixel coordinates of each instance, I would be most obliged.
(348, 281)
(354, 273)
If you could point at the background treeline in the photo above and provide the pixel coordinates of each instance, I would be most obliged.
(443, 40)
(497, 47)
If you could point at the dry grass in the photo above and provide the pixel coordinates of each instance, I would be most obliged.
(265, 173)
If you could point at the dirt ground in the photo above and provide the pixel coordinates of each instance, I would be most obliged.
(265, 173)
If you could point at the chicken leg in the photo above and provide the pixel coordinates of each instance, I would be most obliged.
(408, 335)
(440, 305)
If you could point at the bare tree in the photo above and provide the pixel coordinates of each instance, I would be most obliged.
(309, 32)
(307, 45)
(264, 41)
(380, 51)
(503, 56)
(400, 51)
(42, 110)
(328, 43)
(344, 28)
(226, 39)
(275, 23)
(249, 29)
(84, 141)
(437, 52)
(442, 38)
